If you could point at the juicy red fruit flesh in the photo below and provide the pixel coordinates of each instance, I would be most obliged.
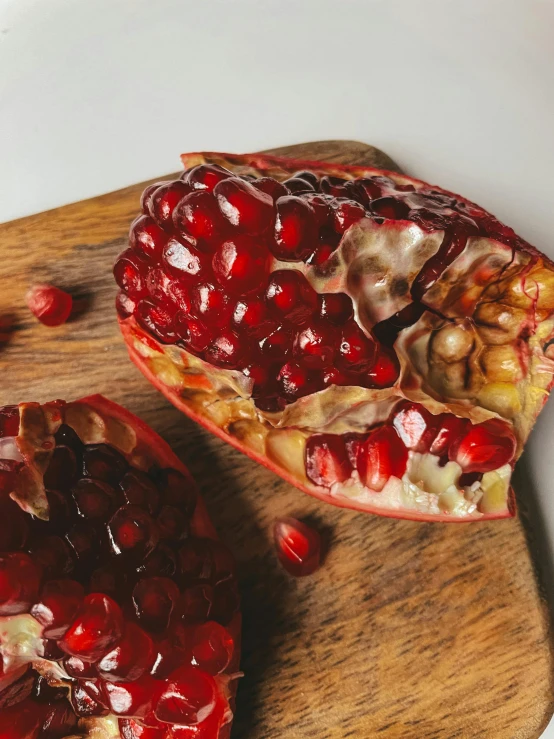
(121, 522)
(298, 546)
(49, 304)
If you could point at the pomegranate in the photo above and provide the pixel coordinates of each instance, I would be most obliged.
(118, 605)
(49, 304)
(381, 343)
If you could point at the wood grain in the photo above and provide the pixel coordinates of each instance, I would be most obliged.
(409, 630)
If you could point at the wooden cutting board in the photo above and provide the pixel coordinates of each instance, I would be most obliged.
(409, 630)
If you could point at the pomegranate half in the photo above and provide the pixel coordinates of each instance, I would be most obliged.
(118, 605)
(381, 343)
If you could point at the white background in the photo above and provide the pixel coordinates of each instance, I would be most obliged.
(99, 94)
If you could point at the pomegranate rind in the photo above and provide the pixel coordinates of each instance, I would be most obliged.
(97, 419)
(220, 399)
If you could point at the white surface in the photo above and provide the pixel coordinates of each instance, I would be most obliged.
(98, 94)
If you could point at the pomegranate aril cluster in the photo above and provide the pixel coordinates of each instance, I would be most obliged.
(132, 605)
(383, 452)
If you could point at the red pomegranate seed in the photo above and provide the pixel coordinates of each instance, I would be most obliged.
(197, 215)
(51, 554)
(244, 206)
(139, 489)
(356, 349)
(147, 238)
(298, 546)
(449, 429)
(250, 315)
(9, 421)
(87, 699)
(14, 528)
(147, 194)
(19, 583)
(212, 647)
(324, 214)
(154, 599)
(188, 698)
(21, 720)
(166, 289)
(225, 350)
(103, 462)
(157, 320)
(60, 721)
(76, 667)
(194, 334)
(482, 449)
(315, 343)
(390, 208)
(49, 304)
(133, 532)
(177, 490)
(385, 371)
(240, 264)
(131, 698)
(335, 307)
(277, 344)
(381, 456)
(371, 187)
(124, 305)
(94, 499)
(415, 425)
(83, 541)
(336, 376)
(270, 186)
(96, 629)
(295, 230)
(130, 272)
(211, 304)
(347, 212)
(130, 658)
(290, 296)
(332, 185)
(320, 254)
(131, 729)
(297, 185)
(196, 560)
(56, 608)
(62, 470)
(164, 200)
(195, 603)
(206, 176)
(305, 174)
(294, 381)
(327, 460)
(183, 260)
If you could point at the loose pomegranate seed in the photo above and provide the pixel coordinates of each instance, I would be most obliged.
(295, 230)
(96, 629)
(270, 186)
(482, 449)
(315, 343)
(212, 305)
(390, 208)
(294, 381)
(250, 315)
(347, 212)
(133, 532)
(9, 421)
(335, 307)
(298, 546)
(147, 238)
(380, 457)
(297, 185)
(183, 260)
(103, 462)
(154, 599)
(212, 647)
(449, 429)
(19, 583)
(194, 334)
(130, 272)
(244, 206)
(49, 304)
(157, 320)
(415, 426)
(57, 606)
(385, 371)
(188, 699)
(206, 176)
(164, 200)
(327, 460)
(197, 215)
(87, 699)
(240, 264)
(290, 296)
(356, 349)
(130, 658)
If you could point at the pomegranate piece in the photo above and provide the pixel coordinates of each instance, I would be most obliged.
(121, 588)
(49, 304)
(327, 460)
(382, 456)
(298, 546)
